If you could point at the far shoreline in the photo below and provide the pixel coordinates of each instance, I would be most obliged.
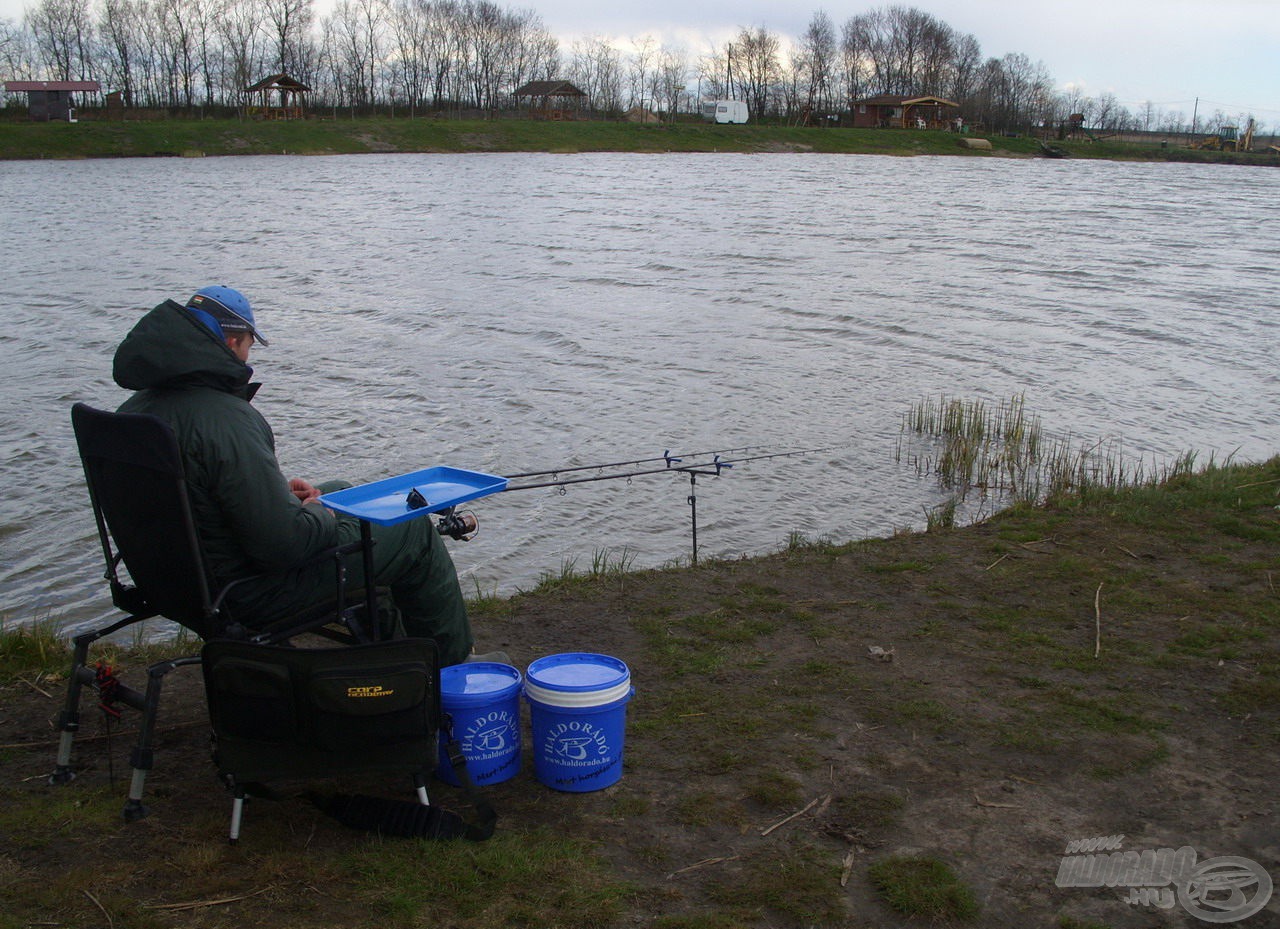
(196, 138)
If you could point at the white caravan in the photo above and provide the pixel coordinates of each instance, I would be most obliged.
(726, 111)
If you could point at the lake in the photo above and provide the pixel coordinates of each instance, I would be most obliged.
(519, 312)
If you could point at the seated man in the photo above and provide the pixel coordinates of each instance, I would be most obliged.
(189, 367)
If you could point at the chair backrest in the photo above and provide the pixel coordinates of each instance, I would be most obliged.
(313, 712)
(138, 489)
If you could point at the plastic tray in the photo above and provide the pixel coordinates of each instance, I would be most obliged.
(385, 502)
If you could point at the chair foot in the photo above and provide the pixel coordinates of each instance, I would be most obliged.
(62, 774)
(134, 810)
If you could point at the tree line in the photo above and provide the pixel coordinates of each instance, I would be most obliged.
(471, 55)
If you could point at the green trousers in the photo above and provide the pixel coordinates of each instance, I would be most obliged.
(410, 558)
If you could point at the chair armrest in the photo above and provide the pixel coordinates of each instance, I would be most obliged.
(336, 552)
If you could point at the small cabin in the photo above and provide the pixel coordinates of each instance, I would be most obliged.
(899, 111)
(50, 100)
(725, 111)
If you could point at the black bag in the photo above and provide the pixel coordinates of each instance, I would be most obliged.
(281, 712)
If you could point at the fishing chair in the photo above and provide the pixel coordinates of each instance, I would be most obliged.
(317, 713)
(133, 468)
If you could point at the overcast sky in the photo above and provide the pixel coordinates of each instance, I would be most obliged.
(1225, 52)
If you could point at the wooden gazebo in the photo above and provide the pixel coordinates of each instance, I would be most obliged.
(279, 96)
(542, 93)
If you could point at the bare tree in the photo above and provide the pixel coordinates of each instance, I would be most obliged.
(855, 59)
(17, 57)
(535, 52)
(671, 78)
(816, 63)
(1015, 93)
(352, 44)
(966, 63)
(179, 20)
(756, 68)
(595, 66)
(241, 31)
(120, 46)
(1104, 111)
(289, 22)
(640, 70)
(409, 24)
(63, 32)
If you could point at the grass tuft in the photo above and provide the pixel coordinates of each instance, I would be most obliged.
(923, 887)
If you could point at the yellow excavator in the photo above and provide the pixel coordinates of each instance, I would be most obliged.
(1227, 140)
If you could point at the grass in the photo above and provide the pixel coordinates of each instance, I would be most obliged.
(330, 132)
(754, 697)
(458, 889)
(32, 651)
(605, 563)
(923, 887)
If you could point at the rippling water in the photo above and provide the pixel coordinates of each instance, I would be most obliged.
(515, 312)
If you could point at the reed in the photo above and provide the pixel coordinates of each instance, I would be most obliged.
(1003, 452)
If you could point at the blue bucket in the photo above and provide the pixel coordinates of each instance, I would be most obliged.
(483, 700)
(578, 709)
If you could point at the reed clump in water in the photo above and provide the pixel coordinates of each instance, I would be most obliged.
(1003, 451)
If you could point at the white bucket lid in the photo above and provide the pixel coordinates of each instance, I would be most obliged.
(577, 679)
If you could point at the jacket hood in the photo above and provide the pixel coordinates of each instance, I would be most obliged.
(170, 348)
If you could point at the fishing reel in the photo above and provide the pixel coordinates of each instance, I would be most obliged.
(459, 526)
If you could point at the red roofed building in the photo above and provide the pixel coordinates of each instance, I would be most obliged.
(898, 111)
(48, 100)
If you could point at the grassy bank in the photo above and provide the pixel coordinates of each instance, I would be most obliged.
(1103, 665)
(340, 135)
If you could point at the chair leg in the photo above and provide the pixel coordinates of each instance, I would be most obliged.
(69, 717)
(143, 757)
(237, 813)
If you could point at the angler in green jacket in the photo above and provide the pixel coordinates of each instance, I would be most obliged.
(188, 366)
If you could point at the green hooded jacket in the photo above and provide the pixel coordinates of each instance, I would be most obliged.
(250, 522)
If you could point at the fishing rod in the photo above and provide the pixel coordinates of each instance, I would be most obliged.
(713, 467)
(674, 465)
(665, 456)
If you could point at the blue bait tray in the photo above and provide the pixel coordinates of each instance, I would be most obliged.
(386, 503)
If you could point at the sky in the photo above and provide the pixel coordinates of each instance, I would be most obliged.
(1169, 52)
(1226, 53)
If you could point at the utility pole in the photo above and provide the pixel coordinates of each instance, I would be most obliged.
(1194, 113)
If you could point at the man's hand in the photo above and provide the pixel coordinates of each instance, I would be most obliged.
(303, 491)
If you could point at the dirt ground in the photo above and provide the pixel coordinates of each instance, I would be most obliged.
(987, 735)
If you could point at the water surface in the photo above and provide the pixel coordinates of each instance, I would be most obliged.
(510, 313)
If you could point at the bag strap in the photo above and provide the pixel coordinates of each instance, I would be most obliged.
(485, 817)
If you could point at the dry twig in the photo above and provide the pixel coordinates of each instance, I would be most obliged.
(996, 562)
(98, 904)
(34, 686)
(198, 904)
(1097, 622)
(847, 868)
(703, 863)
(998, 806)
(1257, 484)
(811, 804)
